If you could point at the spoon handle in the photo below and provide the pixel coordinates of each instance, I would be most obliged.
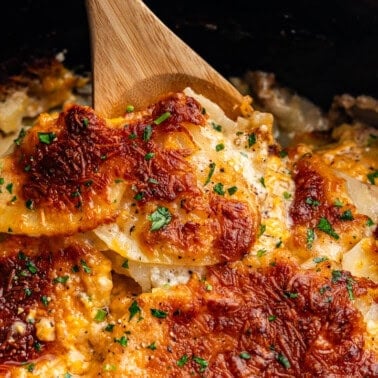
(136, 59)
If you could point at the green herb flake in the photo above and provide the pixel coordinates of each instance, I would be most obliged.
(139, 196)
(147, 133)
(310, 237)
(122, 340)
(320, 259)
(132, 136)
(219, 189)
(372, 176)
(118, 180)
(211, 172)
(323, 289)
(27, 168)
(232, 190)
(261, 252)
(85, 267)
(291, 295)
(30, 367)
(29, 203)
(312, 202)
(153, 181)
(272, 318)
(2, 180)
(88, 183)
(9, 188)
(13, 199)
(159, 218)
(101, 315)
(109, 327)
(46, 138)
(327, 228)
(262, 181)
(67, 375)
(31, 267)
(28, 292)
(37, 346)
(278, 244)
(283, 153)
(134, 309)
(45, 300)
(338, 203)
(347, 216)
(75, 269)
(369, 222)
(282, 359)
(125, 264)
(162, 118)
(349, 286)
(216, 127)
(245, 355)
(20, 137)
(109, 367)
(251, 139)
(262, 229)
(182, 361)
(149, 156)
(336, 276)
(85, 122)
(201, 362)
(286, 195)
(160, 314)
(129, 108)
(152, 346)
(219, 147)
(61, 279)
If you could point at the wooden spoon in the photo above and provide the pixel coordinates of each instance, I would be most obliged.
(136, 59)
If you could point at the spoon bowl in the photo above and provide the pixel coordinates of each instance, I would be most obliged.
(136, 59)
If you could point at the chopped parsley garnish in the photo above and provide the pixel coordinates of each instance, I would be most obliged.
(312, 202)
(104, 157)
(219, 147)
(45, 300)
(282, 359)
(262, 181)
(85, 122)
(162, 118)
(147, 133)
(216, 127)
(9, 188)
(219, 189)
(122, 340)
(118, 180)
(261, 252)
(369, 222)
(158, 313)
(151, 180)
(109, 327)
(182, 361)
(20, 137)
(327, 228)
(291, 295)
(245, 355)
(2, 180)
(67, 375)
(46, 138)
(211, 172)
(336, 276)
(338, 203)
(86, 268)
(125, 264)
(139, 196)
(31, 267)
(159, 218)
(109, 367)
(149, 155)
(75, 268)
(262, 229)
(133, 136)
(310, 237)
(201, 362)
(323, 289)
(30, 367)
(320, 259)
(29, 204)
(129, 108)
(61, 279)
(278, 244)
(372, 176)
(37, 346)
(232, 190)
(272, 318)
(28, 292)
(27, 168)
(283, 153)
(286, 195)
(88, 183)
(251, 139)
(349, 286)
(13, 199)
(100, 315)
(134, 309)
(152, 346)
(347, 216)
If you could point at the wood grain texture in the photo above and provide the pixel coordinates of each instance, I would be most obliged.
(136, 59)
